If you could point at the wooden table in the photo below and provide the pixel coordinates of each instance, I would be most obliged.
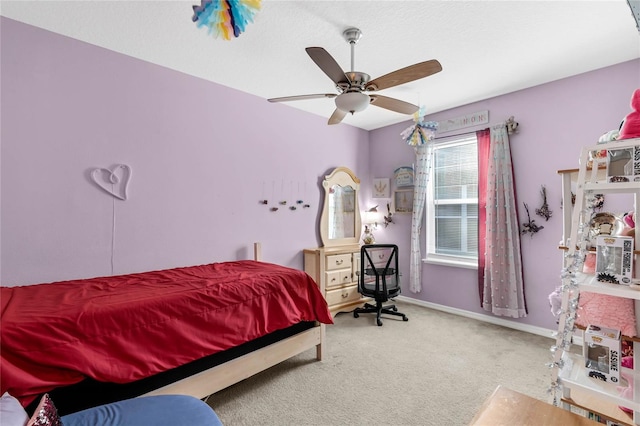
(506, 407)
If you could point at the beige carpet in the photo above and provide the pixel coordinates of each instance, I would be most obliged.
(435, 369)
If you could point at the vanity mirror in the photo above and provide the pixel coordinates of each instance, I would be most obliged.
(340, 223)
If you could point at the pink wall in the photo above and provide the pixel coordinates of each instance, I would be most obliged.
(202, 156)
(556, 120)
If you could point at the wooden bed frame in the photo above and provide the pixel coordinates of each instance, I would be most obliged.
(231, 372)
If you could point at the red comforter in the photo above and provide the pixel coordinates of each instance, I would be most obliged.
(123, 328)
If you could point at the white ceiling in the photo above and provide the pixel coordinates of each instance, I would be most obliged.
(486, 48)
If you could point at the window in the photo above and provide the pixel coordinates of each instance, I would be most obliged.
(452, 203)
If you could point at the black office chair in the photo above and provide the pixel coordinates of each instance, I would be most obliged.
(379, 279)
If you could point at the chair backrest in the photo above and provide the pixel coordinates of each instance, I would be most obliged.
(379, 275)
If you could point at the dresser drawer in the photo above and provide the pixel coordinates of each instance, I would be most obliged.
(340, 277)
(342, 295)
(338, 261)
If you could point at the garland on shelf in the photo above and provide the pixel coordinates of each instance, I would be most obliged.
(225, 18)
(574, 261)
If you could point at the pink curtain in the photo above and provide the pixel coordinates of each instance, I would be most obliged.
(484, 141)
(503, 283)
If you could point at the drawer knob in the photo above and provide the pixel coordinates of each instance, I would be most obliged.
(333, 279)
(345, 295)
(339, 262)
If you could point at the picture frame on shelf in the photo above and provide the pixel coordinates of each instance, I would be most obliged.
(381, 188)
(403, 176)
(403, 201)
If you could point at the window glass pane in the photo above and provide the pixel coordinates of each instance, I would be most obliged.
(448, 233)
(456, 172)
(456, 227)
(452, 225)
(472, 236)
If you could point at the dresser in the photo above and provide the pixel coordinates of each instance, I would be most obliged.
(336, 270)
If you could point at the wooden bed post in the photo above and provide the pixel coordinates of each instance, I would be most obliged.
(257, 251)
(320, 347)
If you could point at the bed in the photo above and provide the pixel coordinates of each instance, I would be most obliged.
(117, 332)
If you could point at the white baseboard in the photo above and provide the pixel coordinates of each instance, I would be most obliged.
(540, 331)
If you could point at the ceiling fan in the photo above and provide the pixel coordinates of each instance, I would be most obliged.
(354, 86)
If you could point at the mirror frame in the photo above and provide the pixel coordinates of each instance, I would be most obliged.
(344, 177)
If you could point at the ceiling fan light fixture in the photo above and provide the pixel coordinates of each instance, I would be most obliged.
(352, 102)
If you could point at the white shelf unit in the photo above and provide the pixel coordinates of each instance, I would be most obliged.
(569, 376)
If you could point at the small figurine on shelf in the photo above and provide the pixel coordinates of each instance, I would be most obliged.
(368, 238)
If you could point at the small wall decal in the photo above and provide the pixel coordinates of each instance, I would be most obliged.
(114, 181)
(544, 210)
(530, 226)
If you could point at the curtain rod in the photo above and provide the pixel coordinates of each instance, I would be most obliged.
(510, 124)
(458, 134)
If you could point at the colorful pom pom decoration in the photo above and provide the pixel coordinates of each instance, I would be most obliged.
(421, 132)
(225, 18)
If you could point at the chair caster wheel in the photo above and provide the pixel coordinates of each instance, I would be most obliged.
(379, 323)
(405, 319)
(355, 315)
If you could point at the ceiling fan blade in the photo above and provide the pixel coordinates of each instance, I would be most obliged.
(393, 104)
(302, 97)
(325, 61)
(405, 75)
(337, 116)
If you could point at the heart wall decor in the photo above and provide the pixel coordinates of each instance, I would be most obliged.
(114, 181)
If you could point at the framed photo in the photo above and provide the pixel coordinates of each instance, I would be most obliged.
(403, 201)
(381, 188)
(403, 176)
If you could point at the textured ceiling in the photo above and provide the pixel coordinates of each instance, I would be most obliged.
(486, 48)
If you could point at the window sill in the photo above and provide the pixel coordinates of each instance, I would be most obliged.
(456, 262)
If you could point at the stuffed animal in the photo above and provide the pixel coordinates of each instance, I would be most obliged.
(611, 135)
(626, 391)
(629, 220)
(631, 124)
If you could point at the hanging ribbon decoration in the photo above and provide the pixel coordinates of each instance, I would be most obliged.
(421, 132)
(225, 18)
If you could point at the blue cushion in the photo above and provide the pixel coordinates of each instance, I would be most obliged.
(169, 410)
